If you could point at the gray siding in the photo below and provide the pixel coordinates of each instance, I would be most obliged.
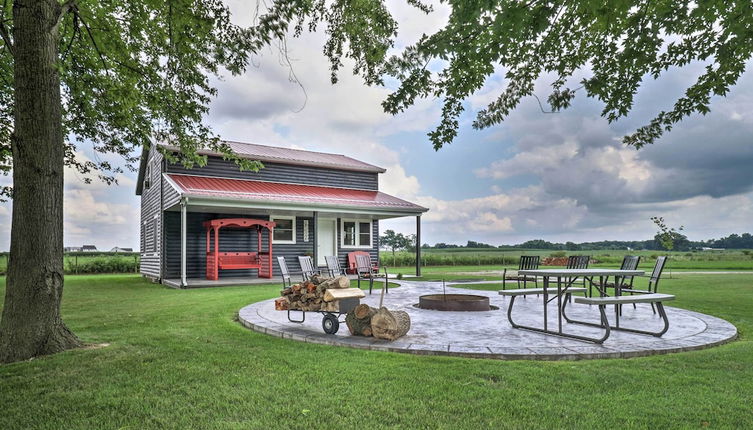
(230, 240)
(151, 220)
(273, 172)
(170, 197)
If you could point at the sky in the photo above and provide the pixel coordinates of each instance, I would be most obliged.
(559, 177)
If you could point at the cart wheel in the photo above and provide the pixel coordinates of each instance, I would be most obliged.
(330, 324)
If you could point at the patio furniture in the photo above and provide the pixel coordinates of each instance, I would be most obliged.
(368, 272)
(653, 281)
(565, 280)
(333, 266)
(654, 299)
(629, 262)
(579, 262)
(216, 260)
(286, 278)
(527, 262)
(307, 267)
(352, 260)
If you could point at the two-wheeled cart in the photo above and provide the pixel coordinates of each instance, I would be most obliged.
(331, 319)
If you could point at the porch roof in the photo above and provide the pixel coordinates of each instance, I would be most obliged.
(301, 196)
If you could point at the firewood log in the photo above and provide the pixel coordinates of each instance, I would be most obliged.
(348, 293)
(286, 291)
(360, 326)
(317, 279)
(390, 325)
(363, 311)
(310, 287)
(282, 304)
(296, 288)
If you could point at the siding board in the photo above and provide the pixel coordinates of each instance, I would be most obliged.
(150, 208)
(274, 172)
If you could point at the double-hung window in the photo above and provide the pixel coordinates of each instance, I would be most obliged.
(284, 229)
(356, 233)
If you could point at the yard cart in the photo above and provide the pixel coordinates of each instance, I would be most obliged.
(330, 319)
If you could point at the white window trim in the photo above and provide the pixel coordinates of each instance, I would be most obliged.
(284, 242)
(357, 234)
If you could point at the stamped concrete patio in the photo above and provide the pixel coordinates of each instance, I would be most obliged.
(489, 334)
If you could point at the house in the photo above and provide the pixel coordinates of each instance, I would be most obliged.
(209, 222)
(85, 248)
(119, 249)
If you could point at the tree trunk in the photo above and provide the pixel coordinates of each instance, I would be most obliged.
(31, 323)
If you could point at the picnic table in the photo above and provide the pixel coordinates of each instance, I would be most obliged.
(564, 280)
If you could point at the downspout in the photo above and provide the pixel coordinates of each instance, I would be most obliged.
(183, 207)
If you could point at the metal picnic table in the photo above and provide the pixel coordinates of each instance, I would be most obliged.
(567, 277)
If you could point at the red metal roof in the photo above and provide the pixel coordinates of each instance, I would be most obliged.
(298, 157)
(275, 192)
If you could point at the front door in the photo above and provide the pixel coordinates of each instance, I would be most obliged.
(326, 239)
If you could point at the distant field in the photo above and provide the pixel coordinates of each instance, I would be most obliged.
(500, 258)
(85, 263)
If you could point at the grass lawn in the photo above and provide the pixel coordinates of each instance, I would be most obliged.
(177, 359)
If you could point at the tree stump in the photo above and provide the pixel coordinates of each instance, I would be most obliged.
(389, 325)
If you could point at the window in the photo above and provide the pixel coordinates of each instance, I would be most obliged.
(284, 229)
(148, 176)
(155, 233)
(143, 237)
(356, 233)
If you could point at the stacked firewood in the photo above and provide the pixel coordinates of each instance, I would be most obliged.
(317, 294)
(381, 323)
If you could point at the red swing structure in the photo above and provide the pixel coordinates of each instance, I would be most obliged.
(260, 260)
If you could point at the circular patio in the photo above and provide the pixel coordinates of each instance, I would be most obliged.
(489, 334)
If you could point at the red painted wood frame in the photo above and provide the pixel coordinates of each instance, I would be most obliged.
(260, 260)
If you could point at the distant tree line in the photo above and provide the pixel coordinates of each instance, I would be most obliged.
(681, 243)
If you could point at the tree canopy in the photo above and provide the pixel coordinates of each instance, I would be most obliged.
(602, 49)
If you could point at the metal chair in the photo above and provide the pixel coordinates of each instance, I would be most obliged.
(527, 262)
(368, 272)
(333, 266)
(286, 278)
(579, 262)
(629, 262)
(307, 267)
(653, 281)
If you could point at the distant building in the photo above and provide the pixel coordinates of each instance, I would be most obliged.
(119, 249)
(84, 248)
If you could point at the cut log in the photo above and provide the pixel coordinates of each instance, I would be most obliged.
(331, 306)
(348, 293)
(282, 304)
(390, 325)
(317, 279)
(296, 288)
(286, 292)
(360, 326)
(310, 287)
(364, 311)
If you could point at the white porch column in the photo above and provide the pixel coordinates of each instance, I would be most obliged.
(183, 204)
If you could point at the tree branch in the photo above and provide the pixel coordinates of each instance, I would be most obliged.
(3, 30)
(64, 9)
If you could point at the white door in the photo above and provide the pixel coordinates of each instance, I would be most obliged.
(326, 239)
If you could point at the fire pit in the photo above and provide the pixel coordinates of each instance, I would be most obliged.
(454, 302)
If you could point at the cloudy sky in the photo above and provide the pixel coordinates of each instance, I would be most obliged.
(559, 177)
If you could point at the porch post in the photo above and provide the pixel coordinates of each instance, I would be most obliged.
(418, 245)
(183, 282)
(316, 239)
